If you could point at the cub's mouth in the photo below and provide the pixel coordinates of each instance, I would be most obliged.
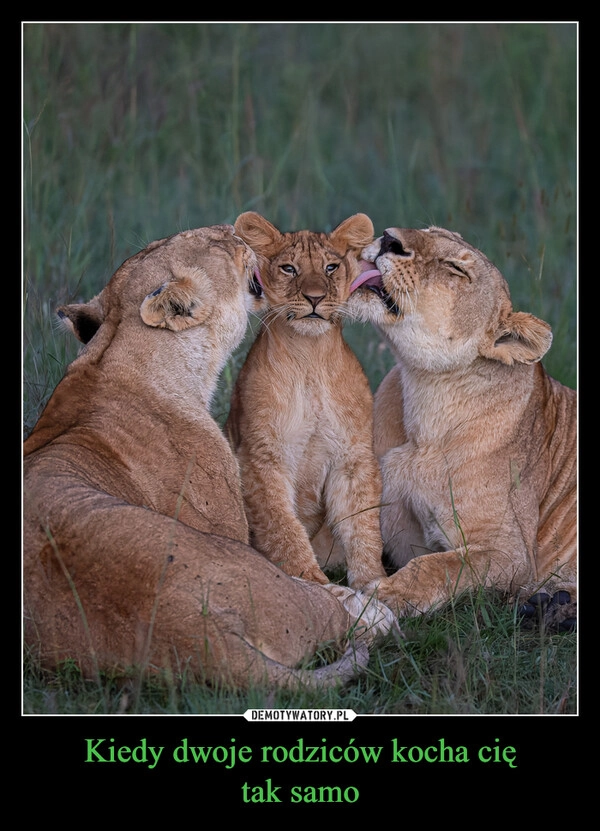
(370, 278)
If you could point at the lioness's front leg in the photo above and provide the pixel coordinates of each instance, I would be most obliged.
(433, 579)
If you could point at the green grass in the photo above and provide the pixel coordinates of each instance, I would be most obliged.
(469, 658)
(133, 132)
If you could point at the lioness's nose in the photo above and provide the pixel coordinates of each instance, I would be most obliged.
(314, 299)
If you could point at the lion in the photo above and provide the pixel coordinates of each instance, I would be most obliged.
(478, 445)
(300, 418)
(136, 554)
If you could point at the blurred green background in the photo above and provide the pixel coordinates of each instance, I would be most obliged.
(134, 131)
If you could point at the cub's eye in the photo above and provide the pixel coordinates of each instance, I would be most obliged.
(329, 269)
(289, 269)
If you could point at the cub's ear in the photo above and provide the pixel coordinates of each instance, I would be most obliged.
(520, 338)
(256, 231)
(82, 319)
(354, 232)
(177, 304)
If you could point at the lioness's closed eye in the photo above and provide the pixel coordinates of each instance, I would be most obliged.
(477, 443)
(301, 411)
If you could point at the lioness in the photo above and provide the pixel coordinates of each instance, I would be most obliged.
(135, 536)
(301, 411)
(477, 443)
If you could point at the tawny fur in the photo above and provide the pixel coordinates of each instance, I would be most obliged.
(477, 443)
(301, 411)
(135, 535)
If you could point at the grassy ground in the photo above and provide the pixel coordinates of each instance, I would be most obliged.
(133, 132)
(471, 658)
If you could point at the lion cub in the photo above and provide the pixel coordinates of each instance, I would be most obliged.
(478, 444)
(301, 411)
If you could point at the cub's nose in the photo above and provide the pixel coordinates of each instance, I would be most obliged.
(314, 299)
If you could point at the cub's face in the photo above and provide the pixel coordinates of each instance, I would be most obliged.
(305, 275)
(440, 302)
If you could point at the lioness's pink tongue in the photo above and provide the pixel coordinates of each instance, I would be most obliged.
(366, 265)
(369, 273)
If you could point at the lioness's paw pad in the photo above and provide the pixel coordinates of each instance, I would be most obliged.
(555, 612)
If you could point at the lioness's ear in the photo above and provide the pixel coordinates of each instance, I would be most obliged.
(354, 232)
(464, 263)
(521, 338)
(82, 319)
(177, 304)
(256, 231)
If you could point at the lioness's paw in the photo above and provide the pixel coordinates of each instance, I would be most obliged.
(556, 613)
(373, 618)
